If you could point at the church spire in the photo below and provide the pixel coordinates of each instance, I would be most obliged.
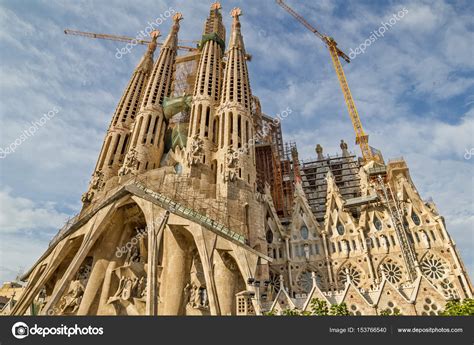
(147, 139)
(117, 138)
(235, 157)
(204, 124)
(236, 40)
(236, 81)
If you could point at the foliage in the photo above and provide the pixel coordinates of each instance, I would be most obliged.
(291, 312)
(319, 307)
(388, 312)
(339, 310)
(459, 308)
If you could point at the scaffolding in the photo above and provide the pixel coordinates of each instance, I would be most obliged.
(345, 170)
(215, 210)
(269, 171)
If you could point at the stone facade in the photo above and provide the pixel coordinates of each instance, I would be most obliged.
(185, 229)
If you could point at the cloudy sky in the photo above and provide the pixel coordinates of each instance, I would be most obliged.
(413, 88)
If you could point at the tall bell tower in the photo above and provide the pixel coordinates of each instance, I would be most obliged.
(204, 123)
(147, 140)
(235, 158)
(118, 135)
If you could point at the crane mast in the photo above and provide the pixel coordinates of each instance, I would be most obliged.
(362, 139)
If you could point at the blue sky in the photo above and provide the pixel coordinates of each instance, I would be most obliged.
(414, 89)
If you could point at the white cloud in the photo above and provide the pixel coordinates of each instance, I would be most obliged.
(19, 214)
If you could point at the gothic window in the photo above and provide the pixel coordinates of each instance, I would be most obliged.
(198, 122)
(124, 146)
(222, 131)
(305, 281)
(104, 152)
(433, 267)
(269, 236)
(304, 232)
(340, 228)
(377, 223)
(239, 131)
(448, 289)
(430, 308)
(231, 129)
(415, 218)
(349, 271)
(115, 149)
(316, 249)
(274, 282)
(405, 224)
(392, 271)
(206, 127)
(154, 130)
(247, 138)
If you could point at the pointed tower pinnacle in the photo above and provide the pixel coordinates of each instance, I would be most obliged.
(235, 158)
(117, 138)
(147, 140)
(204, 124)
(296, 165)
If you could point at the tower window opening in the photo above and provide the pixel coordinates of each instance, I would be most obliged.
(145, 134)
(239, 131)
(198, 122)
(206, 127)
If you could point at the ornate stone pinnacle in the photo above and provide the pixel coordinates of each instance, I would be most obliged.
(177, 17)
(236, 12)
(216, 6)
(155, 34)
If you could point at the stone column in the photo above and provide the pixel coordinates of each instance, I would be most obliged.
(225, 279)
(103, 255)
(176, 266)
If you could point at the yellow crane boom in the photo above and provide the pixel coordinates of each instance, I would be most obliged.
(119, 38)
(362, 139)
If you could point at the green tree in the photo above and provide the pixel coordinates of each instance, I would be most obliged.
(388, 312)
(339, 310)
(291, 312)
(319, 307)
(459, 308)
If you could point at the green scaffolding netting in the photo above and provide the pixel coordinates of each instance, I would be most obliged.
(174, 105)
(212, 37)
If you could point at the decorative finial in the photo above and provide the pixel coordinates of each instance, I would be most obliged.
(236, 12)
(216, 6)
(155, 34)
(177, 17)
(152, 45)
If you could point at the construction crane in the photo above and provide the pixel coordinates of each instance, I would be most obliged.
(120, 38)
(362, 139)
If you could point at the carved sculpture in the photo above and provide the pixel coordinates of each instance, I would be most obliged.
(130, 164)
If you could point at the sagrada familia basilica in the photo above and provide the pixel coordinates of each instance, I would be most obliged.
(196, 206)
